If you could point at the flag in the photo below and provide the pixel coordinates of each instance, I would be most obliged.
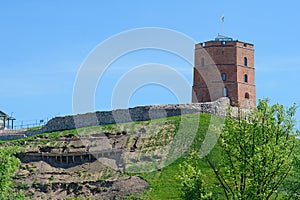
(223, 17)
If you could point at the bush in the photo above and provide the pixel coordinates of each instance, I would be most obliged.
(191, 179)
(8, 166)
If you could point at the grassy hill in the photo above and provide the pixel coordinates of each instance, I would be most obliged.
(152, 136)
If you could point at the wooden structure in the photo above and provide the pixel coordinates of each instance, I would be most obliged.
(5, 120)
(73, 157)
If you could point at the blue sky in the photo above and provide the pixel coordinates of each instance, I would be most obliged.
(44, 43)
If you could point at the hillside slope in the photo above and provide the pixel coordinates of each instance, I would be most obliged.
(121, 161)
(48, 168)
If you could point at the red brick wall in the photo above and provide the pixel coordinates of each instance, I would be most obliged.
(228, 59)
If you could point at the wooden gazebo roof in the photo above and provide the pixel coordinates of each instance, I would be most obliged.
(3, 114)
(6, 116)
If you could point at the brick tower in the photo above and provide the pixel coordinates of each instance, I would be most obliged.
(224, 67)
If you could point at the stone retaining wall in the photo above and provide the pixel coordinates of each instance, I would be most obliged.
(140, 113)
(11, 136)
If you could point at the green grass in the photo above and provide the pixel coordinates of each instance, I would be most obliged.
(34, 128)
(163, 184)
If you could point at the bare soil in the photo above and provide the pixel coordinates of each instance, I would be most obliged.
(90, 180)
(41, 177)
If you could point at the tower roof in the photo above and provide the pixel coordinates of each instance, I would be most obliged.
(223, 38)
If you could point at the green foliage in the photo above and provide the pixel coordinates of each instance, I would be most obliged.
(23, 186)
(294, 191)
(291, 186)
(192, 180)
(79, 173)
(8, 165)
(51, 178)
(133, 197)
(258, 151)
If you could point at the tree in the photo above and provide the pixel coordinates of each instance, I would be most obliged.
(294, 183)
(191, 179)
(291, 186)
(258, 151)
(8, 165)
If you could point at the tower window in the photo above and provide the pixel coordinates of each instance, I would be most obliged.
(225, 92)
(245, 61)
(245, 78)
(247, 96)
(223, 53)
(223, 77)
(202, 62)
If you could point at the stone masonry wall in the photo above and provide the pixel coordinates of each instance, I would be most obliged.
(140, 113)
(11, 136)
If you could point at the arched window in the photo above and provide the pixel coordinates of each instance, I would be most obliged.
(225, 92)
(245, 78)
(247, 96)
(223, 77)
(202, 62)
(245, 61)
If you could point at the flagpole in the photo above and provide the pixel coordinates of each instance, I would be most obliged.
(223, 19)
